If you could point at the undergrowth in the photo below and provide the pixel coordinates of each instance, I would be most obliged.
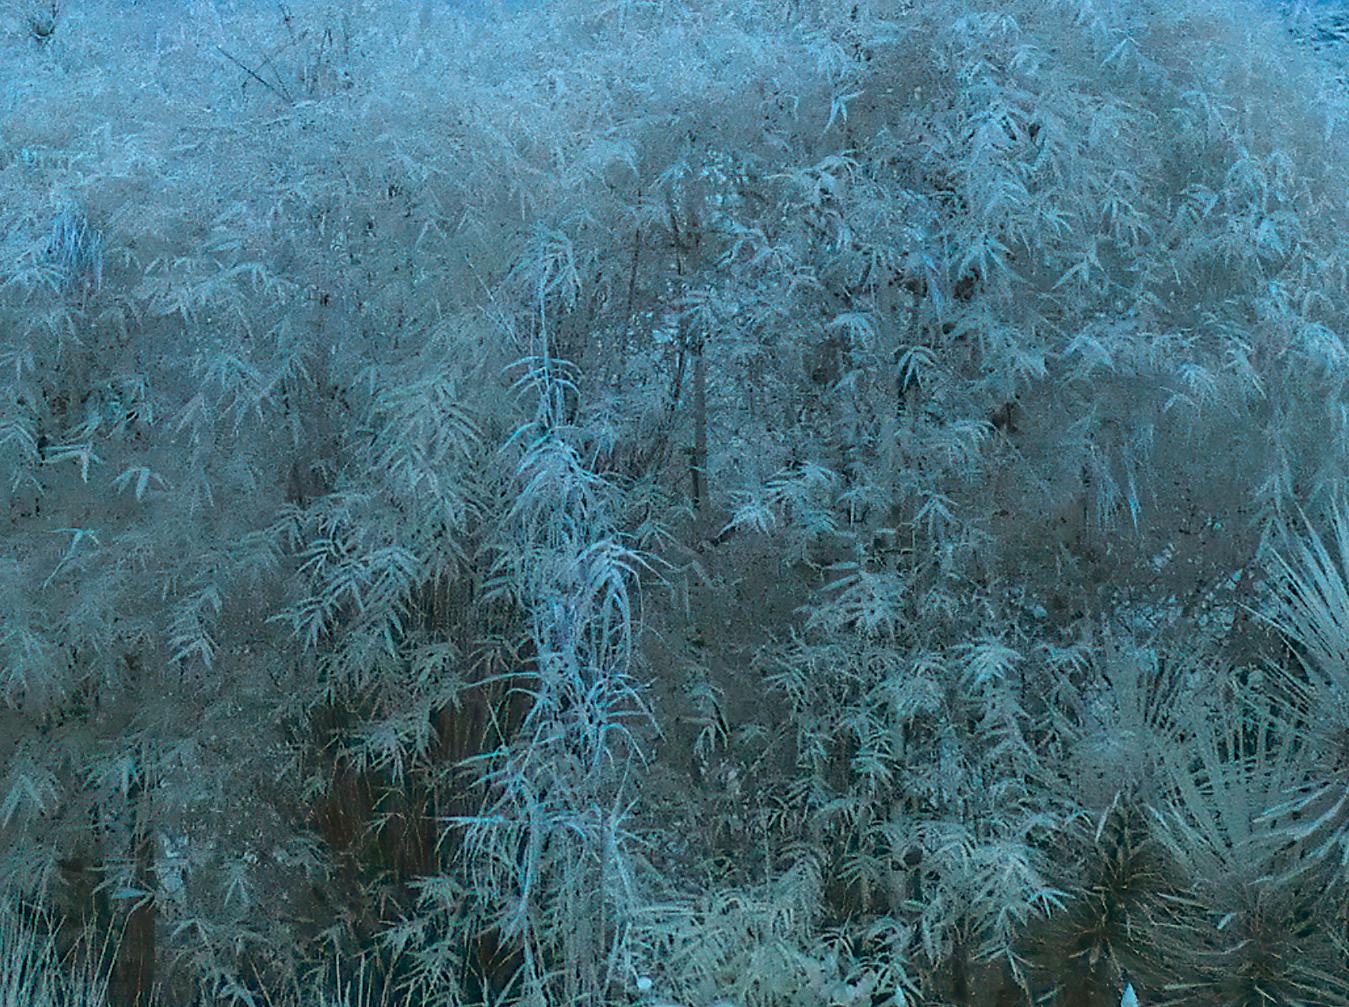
(672, 503)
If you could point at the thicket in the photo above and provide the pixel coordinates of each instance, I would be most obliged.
(672, 503)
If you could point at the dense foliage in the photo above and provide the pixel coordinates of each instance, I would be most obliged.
(673, 502)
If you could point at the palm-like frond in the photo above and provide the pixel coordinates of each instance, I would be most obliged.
(1311, 609)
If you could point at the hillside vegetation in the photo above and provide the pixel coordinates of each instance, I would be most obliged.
(672, 502)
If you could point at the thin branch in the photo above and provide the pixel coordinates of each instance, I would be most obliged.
(276, 89)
